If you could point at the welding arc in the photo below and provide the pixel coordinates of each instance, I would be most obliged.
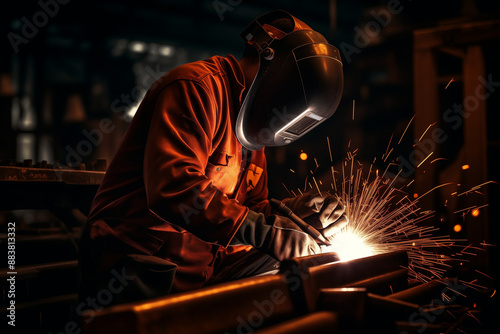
(287, 212)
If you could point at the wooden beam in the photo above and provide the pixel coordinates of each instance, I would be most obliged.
(457, 34)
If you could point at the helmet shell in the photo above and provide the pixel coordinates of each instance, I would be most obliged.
(298, 86)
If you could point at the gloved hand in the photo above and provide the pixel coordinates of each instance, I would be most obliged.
(277, 236)
(324, 213)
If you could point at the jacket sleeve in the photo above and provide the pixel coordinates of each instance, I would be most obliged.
(179, 143)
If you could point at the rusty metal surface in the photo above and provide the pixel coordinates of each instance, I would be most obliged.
(44, 186)
(67, 176)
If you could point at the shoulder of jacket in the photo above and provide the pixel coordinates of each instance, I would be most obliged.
(198, 71)
(206, 74)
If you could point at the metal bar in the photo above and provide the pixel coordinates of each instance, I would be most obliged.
(457, 34)
(31, 271)
(423, 293)
(68, 176)
(313, 277)
(426, 106)
(392, 305)
(251, 303)
(384, 284)
(349, 303)
(318, 322)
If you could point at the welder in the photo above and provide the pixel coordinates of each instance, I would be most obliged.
(184, 202)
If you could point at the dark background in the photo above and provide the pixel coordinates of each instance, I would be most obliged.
(65, 76)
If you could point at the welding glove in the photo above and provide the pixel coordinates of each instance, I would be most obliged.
(275, 235)
(323, 212)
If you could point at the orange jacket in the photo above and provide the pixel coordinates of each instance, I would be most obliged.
(179, 181)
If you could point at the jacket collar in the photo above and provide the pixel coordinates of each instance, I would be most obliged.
(235, 75)
(237, 79)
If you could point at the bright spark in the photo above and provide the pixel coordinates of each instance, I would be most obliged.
(424, 159)
(329, 149)
(423, 134)
(411, 120)
(383, 219)
(452, 79)
(437, 159)
(386, 154)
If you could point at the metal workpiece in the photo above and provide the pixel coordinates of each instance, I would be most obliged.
(315, 323)
(49, 186)
(385, 283)
(423, 293)
(393, 306)
(348, 302)
(355, 310)
(243, 305)
(314, 274)
(312, 294)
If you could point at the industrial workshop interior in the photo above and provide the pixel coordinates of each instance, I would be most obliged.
(397, 136)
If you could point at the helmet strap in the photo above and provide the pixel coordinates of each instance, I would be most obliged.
(257, 36)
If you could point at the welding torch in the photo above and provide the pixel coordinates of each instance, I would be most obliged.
(287, 212)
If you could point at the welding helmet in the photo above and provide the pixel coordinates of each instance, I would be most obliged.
(298, 85)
